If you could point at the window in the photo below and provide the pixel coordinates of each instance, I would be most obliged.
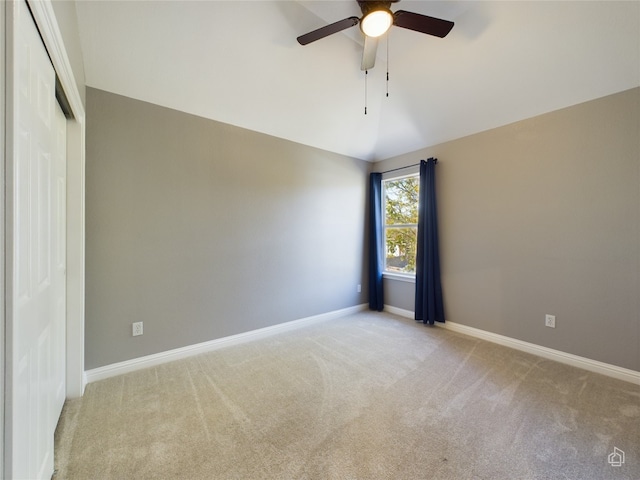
(400, 196)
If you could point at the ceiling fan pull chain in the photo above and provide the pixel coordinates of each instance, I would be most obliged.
(366, 73)
(388, 34)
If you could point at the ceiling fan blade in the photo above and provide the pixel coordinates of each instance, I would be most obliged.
(327, 30)
(369, 52)
(422, 23)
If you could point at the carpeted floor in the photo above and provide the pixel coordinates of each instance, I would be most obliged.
(368, 396)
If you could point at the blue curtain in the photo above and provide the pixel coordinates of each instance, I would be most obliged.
(376, 239)
(429, 305)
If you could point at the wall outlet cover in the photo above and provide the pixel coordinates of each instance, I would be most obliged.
(550, 321)
(137, 328)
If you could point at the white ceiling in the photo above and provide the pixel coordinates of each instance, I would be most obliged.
(238, 62)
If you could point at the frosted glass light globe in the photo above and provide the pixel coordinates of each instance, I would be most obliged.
(376, 23)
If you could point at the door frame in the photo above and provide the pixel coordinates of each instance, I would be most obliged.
(45, 20)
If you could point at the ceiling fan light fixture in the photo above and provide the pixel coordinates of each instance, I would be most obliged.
(377, 22)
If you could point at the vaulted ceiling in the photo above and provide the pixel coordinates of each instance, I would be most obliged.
(238, 62)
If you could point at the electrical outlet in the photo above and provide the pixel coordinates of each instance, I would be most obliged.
(550, 321)
(359, 288)
(137, 328)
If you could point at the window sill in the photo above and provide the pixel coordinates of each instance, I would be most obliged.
(399, 277)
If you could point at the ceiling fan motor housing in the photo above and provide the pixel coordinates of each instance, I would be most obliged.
(368, 6)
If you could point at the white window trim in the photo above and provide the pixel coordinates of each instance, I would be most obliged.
(406, 277)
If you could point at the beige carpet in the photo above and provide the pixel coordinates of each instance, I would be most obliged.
(368, 396)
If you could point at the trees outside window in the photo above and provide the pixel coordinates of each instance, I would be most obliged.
(401, 223)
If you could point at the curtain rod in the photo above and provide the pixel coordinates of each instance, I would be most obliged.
(408, 166)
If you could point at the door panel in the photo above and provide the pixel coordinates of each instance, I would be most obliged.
(21, 224)
(37, 261)
(41, 234)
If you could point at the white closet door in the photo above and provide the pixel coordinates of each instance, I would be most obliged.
(36, 366)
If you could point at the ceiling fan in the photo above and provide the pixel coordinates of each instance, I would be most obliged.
(376, 19)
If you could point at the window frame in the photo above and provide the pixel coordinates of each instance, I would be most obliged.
(401, 276)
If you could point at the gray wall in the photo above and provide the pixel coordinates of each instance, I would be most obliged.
(543, 216)
(203, 230)
(65, 11)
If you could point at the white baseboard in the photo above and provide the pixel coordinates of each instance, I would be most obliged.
(574, 360)
(127, 366)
